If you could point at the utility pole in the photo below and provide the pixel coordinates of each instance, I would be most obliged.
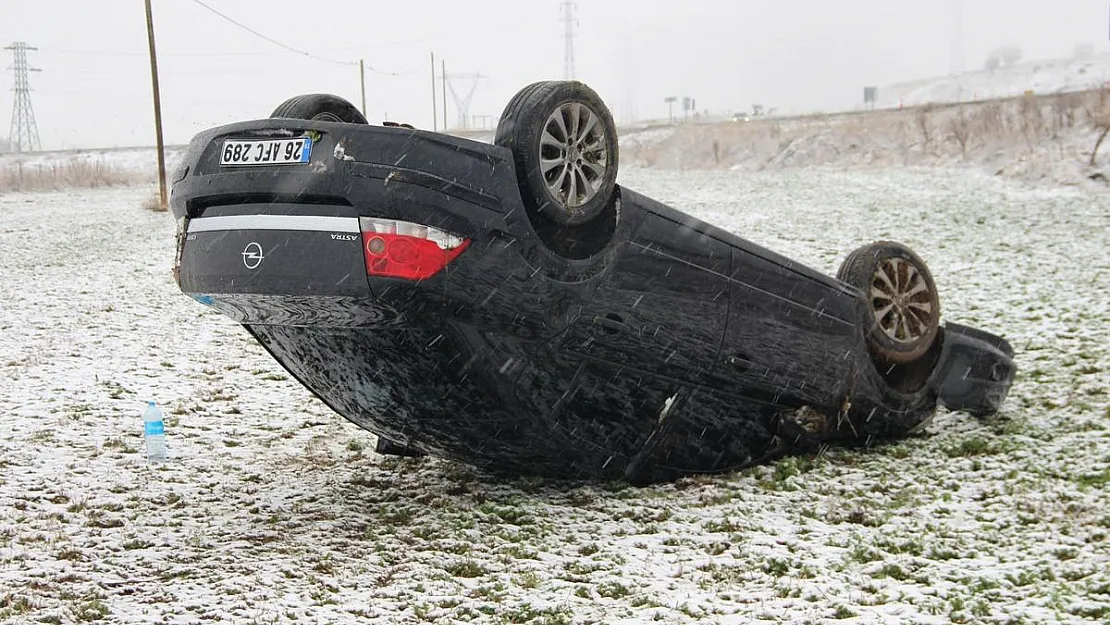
(24, 130)
(435, 113)
(568, 39)
(443, 75)
(629, 73)
(362, 84)
(157, 109)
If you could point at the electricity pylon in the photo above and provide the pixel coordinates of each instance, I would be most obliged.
(24, 132)
(462, 104)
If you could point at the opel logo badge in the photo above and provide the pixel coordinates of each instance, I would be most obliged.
(252, 255)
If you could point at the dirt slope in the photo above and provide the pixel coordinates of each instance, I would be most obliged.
(1045, 138)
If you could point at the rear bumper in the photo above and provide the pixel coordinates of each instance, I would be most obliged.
(349, 162)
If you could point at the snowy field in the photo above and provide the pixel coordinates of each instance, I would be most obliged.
(274, 510)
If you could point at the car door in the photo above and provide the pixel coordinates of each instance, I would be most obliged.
(790, 331)
(662, 307)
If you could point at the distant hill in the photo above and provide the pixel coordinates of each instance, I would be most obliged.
(1041, 77)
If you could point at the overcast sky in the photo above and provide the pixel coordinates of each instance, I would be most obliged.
(94, 88)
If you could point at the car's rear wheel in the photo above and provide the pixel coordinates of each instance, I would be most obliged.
(902, 315)
(320, 107)
(564, 146)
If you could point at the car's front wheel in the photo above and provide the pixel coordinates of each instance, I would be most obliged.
(902, 312)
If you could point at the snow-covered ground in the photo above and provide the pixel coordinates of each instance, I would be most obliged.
(274, 510)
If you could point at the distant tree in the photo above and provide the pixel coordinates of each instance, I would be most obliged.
(992, 61)
(960, 125)
(1100, 119)
(1010, 55)
(1083, 50)
(1102, 124)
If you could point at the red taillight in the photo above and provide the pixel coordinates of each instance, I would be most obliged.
(399, 249)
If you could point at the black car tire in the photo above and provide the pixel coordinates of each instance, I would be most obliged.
(565, 127)
(902, 312)
(320, 107)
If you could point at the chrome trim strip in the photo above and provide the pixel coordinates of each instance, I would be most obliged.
(314, 223)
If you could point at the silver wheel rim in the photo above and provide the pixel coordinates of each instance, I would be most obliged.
(902, 301)
(573, 156)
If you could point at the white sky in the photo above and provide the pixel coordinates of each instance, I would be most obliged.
(94, 90)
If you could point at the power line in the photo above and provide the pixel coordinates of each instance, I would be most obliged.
(143, 54)
(272, 40)
(404, 72)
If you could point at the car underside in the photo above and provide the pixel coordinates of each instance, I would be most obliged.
(512, 307)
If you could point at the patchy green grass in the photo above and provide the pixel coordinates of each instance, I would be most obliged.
(273, 509)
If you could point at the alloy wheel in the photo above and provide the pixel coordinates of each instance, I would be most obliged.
(573, 157)
(901, 300)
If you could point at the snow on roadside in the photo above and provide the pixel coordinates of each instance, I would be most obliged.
(1039, 76)
(273, 509)
(128, 159)
(1046, 140)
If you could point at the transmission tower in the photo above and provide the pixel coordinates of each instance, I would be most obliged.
(24, 131)
(956, 55)
(462, 104)
(568, 39)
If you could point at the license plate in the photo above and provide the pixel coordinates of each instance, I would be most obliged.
(266, 152)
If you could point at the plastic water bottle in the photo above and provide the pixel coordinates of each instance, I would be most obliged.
(154, 433)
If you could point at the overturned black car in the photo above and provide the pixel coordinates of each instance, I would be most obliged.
(512, 307)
